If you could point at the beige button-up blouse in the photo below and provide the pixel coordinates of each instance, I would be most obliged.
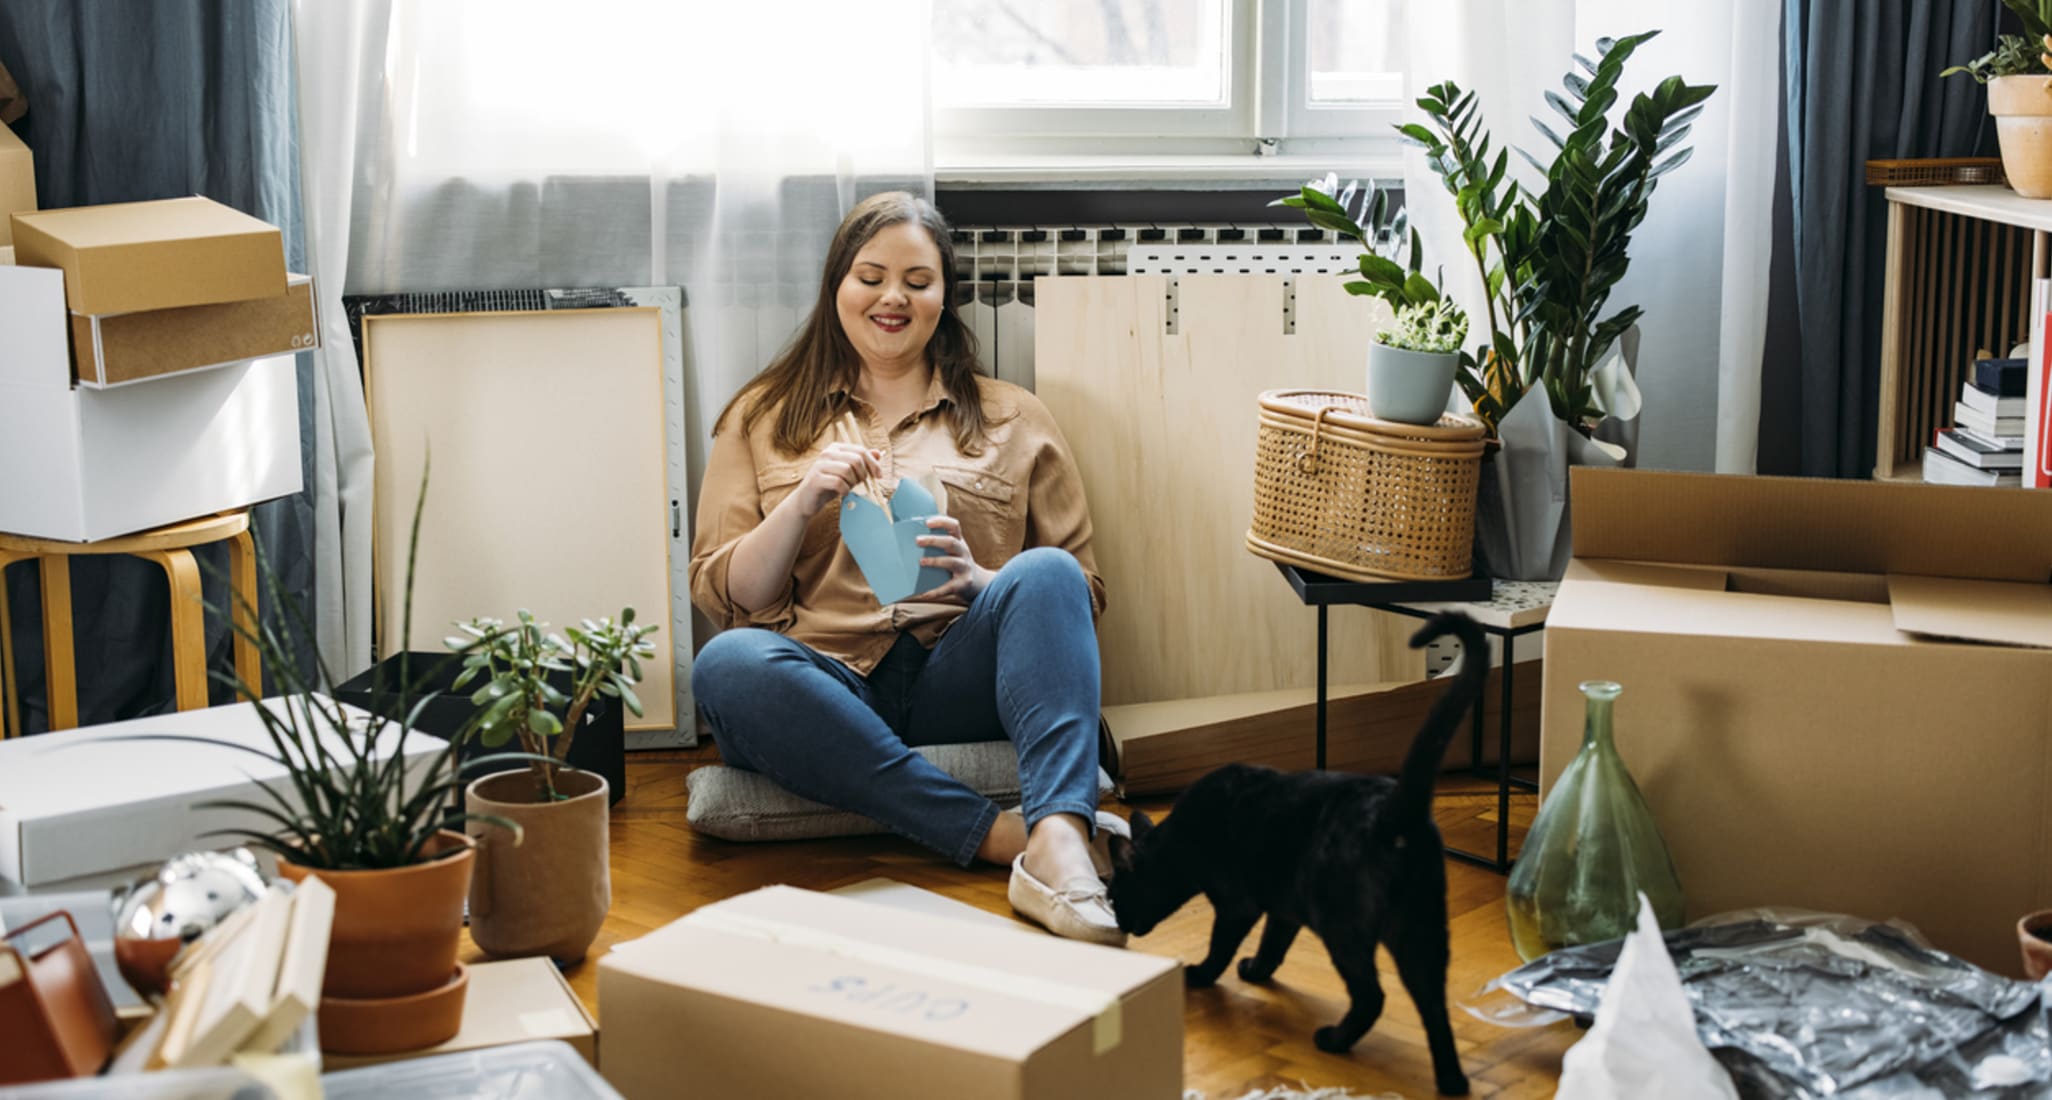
(1022, 491)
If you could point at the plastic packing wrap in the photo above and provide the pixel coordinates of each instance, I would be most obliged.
(1801, 1005)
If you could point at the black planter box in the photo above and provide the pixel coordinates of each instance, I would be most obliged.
(600, 747)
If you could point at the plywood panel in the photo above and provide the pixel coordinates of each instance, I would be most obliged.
(548, 489)
(1164, 429)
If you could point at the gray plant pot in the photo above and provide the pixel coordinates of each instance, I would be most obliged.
(1411, 387)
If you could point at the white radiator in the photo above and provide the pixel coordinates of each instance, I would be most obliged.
(999, 264)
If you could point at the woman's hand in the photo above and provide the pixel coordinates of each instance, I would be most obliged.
(837, 470)
(965, 578)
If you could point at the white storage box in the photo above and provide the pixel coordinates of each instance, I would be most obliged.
(79, 802)
(92, 464)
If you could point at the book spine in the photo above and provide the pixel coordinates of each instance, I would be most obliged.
(2037, 467)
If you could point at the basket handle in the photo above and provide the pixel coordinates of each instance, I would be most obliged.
(1309, 463)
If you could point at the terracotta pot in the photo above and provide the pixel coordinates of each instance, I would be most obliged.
(396, 930)
(2022, 106)
(388, 1025)
(2037, 950)
(549, 894)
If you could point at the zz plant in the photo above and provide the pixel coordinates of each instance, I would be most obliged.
(599, 658)
(1385, 236)
(1549, 259)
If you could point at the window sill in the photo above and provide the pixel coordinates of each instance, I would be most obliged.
(1160, 172)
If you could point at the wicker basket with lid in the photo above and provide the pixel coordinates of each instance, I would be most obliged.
(1340, 492)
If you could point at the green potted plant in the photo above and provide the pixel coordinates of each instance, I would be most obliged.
(1412, 363)
(1548, 260)
(546, 889)
(349, 813)
(2018, 73)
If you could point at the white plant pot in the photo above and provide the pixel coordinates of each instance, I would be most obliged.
(1411, 387)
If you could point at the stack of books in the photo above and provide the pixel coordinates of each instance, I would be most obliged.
(1985, 445)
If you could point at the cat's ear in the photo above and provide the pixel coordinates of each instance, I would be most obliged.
(1142, 824)
(1121, 851)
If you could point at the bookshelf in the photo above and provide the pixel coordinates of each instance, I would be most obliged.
(1960, 261)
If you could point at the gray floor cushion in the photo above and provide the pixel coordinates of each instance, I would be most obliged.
(742, 805)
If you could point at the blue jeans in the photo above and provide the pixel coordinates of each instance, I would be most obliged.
(1020, 663)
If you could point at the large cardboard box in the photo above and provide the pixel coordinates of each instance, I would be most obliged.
(1837, 694)
(511, 1001)
(122, 348)
(82, 801)
(135, 256)
(786, 993)
(17, 181)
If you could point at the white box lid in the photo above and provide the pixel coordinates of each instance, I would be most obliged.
(80, 801)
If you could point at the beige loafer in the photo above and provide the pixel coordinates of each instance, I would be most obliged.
(1079, 912)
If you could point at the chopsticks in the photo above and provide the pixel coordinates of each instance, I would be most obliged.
(847, 430)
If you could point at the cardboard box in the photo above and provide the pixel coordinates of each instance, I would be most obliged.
(120, 348)
(1833, 692)
(514, 1001)
(1161, 748)
(135, 256)
(78, 801)
(111, 462)
(17, 182)
(786, 993)
(7, 255)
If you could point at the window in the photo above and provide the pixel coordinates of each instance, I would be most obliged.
(1050, 77)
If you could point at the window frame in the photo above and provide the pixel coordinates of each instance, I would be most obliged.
(1267, 111)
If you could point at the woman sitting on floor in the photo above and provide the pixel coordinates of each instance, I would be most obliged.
(816, 685)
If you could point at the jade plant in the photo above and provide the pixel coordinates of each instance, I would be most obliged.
(2026, 54)
(517, 699)
(1549, 258)
(1436, 327)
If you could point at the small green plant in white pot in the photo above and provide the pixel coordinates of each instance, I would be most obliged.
(1411, 365)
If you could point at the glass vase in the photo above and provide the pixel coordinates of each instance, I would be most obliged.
(1593, 849)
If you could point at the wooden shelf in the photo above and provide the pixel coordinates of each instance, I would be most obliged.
(1986, 201)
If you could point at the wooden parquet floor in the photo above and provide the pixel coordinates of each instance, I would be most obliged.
(1237, 1037)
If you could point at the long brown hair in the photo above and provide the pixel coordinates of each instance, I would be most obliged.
(800, 384)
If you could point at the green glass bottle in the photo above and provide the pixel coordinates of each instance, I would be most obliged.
(1592, 850)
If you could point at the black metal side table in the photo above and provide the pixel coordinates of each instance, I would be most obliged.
(1506, 610)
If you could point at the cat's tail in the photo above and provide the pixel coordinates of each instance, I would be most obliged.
(1412, 801)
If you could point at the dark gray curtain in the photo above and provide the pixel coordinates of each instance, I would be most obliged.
(1861, 82)
(149, 99)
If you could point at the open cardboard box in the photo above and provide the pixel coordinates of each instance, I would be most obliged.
(1837, 695)
(786, 993)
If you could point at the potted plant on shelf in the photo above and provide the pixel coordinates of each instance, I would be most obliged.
(1548, 260)
(2018, 73)
(545, 890)
(1411, 365)
(350, 814)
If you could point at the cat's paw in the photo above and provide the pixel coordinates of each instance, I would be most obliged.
(1197, 976)
(1332, 1040)
(1454, 1084)
(1250, 971)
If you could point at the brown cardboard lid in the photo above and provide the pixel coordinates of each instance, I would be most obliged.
(778, 946)
(1812, 523)
(1976, 611)
(188, 218)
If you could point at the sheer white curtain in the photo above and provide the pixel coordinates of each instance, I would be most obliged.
(1700, 259)
(501, 144)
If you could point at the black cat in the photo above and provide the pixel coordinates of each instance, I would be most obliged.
(1357, 859)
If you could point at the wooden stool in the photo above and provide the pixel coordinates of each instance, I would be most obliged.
(167, 546)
